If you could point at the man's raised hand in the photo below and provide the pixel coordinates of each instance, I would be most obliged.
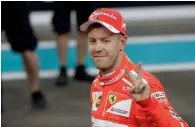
(140, 89)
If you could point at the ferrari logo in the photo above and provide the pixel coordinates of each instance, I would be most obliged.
(112, 98)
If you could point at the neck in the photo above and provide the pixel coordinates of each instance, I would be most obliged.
(105, 75)
(116, 65)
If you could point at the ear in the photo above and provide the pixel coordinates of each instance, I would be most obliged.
(123, 42)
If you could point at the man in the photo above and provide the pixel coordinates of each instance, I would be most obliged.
(61, 23)
(123, 94)
(15, 23)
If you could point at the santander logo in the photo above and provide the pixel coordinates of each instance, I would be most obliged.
(122, 72)
(93, 15)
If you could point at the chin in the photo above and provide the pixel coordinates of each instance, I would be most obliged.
(101, 67)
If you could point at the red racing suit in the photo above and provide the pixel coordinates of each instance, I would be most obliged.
(112, 104)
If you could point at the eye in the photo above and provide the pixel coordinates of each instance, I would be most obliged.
(92, 41)
(106, 41)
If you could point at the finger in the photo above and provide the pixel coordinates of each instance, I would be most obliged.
(139, 67)
(133, 76)
(137, 87)
(132, 89)
(136, 82)
(141, 87)
(127, 73)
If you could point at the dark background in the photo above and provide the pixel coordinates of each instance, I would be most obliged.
(41, 6)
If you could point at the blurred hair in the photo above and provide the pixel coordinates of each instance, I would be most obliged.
(94, 25)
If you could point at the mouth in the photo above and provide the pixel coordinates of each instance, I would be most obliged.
(99, 56)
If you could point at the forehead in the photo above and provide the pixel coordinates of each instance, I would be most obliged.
(98, 29)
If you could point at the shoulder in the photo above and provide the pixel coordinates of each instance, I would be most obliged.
(95, 81)
(152, 80)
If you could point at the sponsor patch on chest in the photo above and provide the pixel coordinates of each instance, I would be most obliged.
(118, 104)
(96, 99)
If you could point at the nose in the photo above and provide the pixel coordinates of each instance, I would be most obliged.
(98, 46)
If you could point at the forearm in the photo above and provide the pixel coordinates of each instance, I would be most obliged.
(158, 116)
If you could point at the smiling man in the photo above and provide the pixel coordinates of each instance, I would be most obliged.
(123, 94)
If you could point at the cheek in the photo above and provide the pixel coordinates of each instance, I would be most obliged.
(113, 49)
(112, 54)
(90, 49)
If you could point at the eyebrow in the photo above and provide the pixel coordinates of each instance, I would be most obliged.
(100, 38)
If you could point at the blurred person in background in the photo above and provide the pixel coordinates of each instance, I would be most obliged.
(17, 27)
(62, 25)
(123, 94)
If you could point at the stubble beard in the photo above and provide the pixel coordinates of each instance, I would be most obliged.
(107, 67)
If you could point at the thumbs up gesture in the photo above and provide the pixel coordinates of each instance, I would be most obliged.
(140, 89)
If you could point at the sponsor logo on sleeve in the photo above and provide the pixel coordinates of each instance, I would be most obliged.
(164, 100)
(158, 95)
(174, 115)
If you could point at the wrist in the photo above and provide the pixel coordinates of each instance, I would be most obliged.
(147, 104)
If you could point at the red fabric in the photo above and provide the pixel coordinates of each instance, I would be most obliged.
(109, 16)
(112, 104)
